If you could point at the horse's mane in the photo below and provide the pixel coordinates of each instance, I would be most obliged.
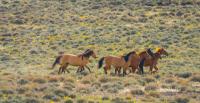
(87, 53)
(150, 52)
(142, 52)
(126, 57)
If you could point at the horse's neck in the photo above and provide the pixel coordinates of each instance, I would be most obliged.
(143, 54)
(83, 57)
(157, 55)
(86, 58)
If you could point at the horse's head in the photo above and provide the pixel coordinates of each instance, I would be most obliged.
(157, 55)
(161, 51)
(93, 54)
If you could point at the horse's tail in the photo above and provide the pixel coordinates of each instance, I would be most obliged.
(56, 61)
(100, 62)
(141, 65)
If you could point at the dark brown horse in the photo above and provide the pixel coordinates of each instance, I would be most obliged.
(147, 58)
(80, 60)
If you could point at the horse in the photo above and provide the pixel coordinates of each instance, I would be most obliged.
(147, 58)
(117, 62)
(80, 60)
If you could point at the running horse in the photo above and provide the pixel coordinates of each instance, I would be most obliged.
(80, 60)
(117, 62)
(147, 58)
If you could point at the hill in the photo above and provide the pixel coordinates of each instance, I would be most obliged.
(32, 32)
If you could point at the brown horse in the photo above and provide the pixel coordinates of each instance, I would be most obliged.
(117, 62)
(80, 60)
(147, 58)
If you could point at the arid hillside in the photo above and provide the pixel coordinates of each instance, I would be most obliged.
(33, 32)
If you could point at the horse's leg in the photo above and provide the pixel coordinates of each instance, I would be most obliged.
(124, 71)
(156, 68)
(133, 69)
(116, 69)
(65, 67)
(88, 68)
(130, 70)
(105, 69)
(82, 68)
(141, 66)
(119, 70)
(78, 70)
(151, 69)
(59, 69)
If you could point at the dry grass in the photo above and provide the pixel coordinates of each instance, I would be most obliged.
(33, 32)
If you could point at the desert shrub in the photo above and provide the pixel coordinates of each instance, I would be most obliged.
(154, 94)
(31, 100)
(69, 101)
(69, 86)
(61, 93)
(53, 79)
(118, 100)
(151, 87)
(21, 90)
(81, 101)
(41, 88)
(105, 98)
(195, 78)
(149, 79)
(22, 81)
(14, 99)
(169, 80)
(112, 90)
(85, 90)
(18, 21)
(72, 96)
(104, 79)
(181, 100)
(96, 85)
(137, 92)
(71, 80)
(90, 101)
(39, 80)
(51, 97)
(85, 82)
(6, 92)
(142, 82)
(184, 74)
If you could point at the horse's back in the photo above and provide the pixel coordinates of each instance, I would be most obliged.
(72, 59)
(114, 60)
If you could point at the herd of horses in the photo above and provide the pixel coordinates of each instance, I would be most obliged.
(132, 61)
